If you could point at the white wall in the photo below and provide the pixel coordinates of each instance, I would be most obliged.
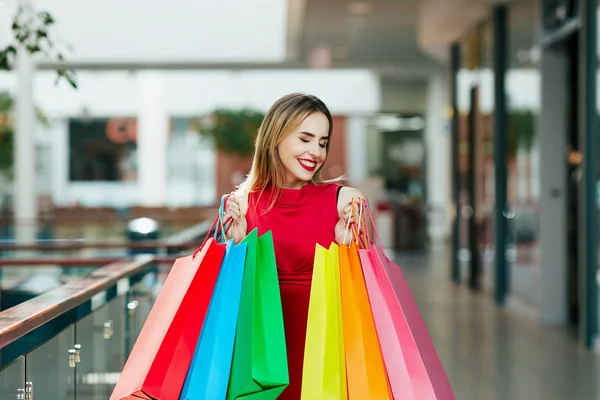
(189, 93)
(522, 85)
(174, 30)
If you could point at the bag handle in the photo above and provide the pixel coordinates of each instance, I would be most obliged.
(378, 243)
(218, 226)
(358, 230)
(225, 225)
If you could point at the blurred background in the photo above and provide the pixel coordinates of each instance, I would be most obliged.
(471, 126)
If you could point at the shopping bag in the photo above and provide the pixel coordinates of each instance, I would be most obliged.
(413, 366)
(367, 377)
(324, 369)
(208, 375)
(388, 321)
(259, 369)
(157, 366)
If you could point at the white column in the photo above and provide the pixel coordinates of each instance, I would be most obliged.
(437, 141)
(356, 149)
(152, 138)
(25, 196)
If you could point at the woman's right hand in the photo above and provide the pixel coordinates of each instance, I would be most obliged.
(238, 226)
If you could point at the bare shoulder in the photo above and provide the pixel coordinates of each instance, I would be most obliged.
(345, 197)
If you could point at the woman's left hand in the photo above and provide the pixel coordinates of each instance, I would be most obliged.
(341, 231)
(348, 198)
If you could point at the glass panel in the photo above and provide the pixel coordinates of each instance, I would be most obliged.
(113, 336)
(50, 368)
(106, 337)
(12, 378)
(100, 336)
(522, 82)
(475, 95)
(140, 300)
(484, 158)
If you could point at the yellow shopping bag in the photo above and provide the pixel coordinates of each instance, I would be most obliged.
(324, 370)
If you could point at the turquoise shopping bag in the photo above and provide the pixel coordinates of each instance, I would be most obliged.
(208, 375)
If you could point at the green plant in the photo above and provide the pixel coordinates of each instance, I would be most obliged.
(233, 131)
(7, 132)
(31, 34)
(521, 130)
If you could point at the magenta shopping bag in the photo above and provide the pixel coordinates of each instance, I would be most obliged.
(413, 366)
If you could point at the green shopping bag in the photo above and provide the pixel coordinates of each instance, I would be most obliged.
(259, 369)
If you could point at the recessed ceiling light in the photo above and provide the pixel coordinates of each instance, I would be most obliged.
(359, 8)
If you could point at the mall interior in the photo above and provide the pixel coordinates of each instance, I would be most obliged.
(470, 126)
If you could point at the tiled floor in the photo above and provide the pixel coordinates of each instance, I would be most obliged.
(493, 353)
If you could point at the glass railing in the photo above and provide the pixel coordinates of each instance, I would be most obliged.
(83, 360)
(72, 341)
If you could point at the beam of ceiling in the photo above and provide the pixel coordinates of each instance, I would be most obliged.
(385, 70)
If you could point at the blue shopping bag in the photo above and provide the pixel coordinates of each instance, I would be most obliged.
(208, 375)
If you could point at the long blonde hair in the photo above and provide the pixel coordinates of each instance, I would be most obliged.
(284, 116)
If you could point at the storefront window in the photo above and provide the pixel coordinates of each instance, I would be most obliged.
(523, 92)
(103, 149)
(476, 105)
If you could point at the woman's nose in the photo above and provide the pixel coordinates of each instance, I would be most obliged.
(314, 150)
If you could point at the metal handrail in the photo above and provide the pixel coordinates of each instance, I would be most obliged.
(186, 238)
(80, 244)
(72, 261)
(23, 318)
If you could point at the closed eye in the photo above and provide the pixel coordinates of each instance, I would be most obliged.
(305, 138)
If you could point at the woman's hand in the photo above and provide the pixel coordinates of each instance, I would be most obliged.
(238, 225)
(348, 198)
(342, 224)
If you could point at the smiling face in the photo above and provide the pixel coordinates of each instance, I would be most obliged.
(304, 151)
(291, 144)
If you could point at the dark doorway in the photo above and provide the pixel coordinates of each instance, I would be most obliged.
(574, 175)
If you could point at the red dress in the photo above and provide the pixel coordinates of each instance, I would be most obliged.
(299, 220)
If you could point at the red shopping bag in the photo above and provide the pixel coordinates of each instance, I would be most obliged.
(413, 366)
(157, 366)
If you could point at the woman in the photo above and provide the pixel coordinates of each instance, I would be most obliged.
(284, 193)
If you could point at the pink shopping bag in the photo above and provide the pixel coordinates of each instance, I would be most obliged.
(413, 366)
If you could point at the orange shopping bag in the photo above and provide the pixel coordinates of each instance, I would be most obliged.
(365, 368)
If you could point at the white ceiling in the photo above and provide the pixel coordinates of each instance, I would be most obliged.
(400, 35)
(397, 39)
(175, 31)
(381, 34)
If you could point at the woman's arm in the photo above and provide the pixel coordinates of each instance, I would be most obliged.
(344, 206)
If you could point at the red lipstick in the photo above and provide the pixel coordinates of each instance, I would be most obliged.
(309, 165)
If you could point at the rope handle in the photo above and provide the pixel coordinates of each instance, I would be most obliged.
(378, 243)
(218, 227)
(358, 231)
